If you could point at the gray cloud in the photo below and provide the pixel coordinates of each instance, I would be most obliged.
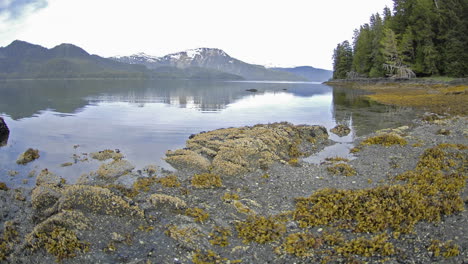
(15, 9)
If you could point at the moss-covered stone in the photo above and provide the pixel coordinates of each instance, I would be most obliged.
(28, 156)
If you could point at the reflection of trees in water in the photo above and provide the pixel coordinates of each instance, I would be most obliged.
(351, 107)
(68, 96)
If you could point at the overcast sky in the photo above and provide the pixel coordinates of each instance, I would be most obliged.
(267, 32)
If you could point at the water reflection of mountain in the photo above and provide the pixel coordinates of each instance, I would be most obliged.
(351, 107)
(21, 99)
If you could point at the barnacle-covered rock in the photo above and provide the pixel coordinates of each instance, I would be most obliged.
(28, 156)
(115, 169)
(341, 130)
(96, 200)
(47, 177)
(233, 151)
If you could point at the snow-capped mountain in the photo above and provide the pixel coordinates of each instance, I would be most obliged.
(149, 61)
(209, 58)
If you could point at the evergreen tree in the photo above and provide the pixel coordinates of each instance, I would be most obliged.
(342, 60)
(428, 36)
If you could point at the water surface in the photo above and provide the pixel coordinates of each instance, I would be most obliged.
(144, 119)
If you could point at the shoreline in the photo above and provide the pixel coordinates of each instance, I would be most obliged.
(162, 218)
(447, 98)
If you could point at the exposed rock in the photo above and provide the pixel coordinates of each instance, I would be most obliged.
(48, 178)
(183, 158)
(115, 169)
(44, 197)
(4, 132)
(341, 130)
(233, 151)
(167, 201)
(106, 154)
(96, 200)
(28, 156)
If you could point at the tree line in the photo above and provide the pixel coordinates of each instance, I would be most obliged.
(419, 38)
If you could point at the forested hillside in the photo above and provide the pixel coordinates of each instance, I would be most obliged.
(418, 38)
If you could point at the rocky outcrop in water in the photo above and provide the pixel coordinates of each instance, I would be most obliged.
(4, 132)
(233, 151)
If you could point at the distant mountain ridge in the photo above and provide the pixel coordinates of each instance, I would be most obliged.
(210, 58)
(21, 60)
(310, 73)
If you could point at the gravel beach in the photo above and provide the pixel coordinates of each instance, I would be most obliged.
(119, 215)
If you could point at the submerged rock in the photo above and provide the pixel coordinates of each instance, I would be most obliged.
(28, 156)
(234, 151)
(341, 130)
(4, 132)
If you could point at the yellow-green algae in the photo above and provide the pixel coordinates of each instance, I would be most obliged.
(260, 229)
(300, 244)
(219, 236)
(436, 98)
(7, 240)
(229, 197)
(61, 242)
(198, 214)
(206, 180)
(188, 235)
(377, 245)
(170, 181)
(144, 184)
(341, 169)
(446, 249)
(386, 140)
(336, 159)
(210, 257)
(431, 190)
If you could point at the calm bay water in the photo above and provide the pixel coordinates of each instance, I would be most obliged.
(144, 119)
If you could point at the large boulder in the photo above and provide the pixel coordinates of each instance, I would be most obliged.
(233, 151)
(4, 132)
